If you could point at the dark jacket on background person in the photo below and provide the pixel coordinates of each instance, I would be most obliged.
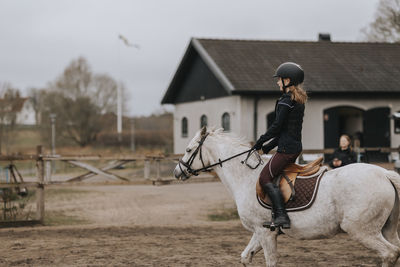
(285, 131)
(346, 156)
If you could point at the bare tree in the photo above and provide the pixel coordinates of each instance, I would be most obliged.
(36, 97)
(386, 26)
(105, 95)
(77, 119)
(79, 98)
(9, 102)
(79, 81)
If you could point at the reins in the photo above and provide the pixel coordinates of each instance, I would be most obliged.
(209, 167)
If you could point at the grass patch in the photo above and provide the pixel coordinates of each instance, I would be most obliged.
(65, 192)
(15, 207)
(225, 215)
(54, 218)
(57, 217)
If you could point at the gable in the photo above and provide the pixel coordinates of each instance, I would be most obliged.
(193, 81)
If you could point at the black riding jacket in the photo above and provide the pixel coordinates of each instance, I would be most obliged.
(285, 131)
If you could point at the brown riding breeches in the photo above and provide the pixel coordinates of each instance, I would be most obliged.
(275, 166)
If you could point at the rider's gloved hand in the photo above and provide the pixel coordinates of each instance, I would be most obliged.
(266, 149)
(258, 145)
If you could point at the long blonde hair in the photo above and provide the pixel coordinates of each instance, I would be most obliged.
(298, 93)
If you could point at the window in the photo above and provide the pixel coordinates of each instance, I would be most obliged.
(184, 127)
(203, 121)
(396, 117)
(226, 122)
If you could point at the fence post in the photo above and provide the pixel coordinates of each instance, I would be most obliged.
(158, 167)
(146, 169)
(40, 188)
(48, 171)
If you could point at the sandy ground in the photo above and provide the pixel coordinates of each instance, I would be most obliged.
(144, 225)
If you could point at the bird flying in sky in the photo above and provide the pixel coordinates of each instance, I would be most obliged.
(127, 43)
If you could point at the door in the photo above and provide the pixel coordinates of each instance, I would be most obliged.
(377, 132)
(331, 128)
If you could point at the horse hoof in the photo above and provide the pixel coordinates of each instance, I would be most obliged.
(244, 262)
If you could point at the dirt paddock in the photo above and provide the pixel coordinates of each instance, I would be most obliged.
(146, 225)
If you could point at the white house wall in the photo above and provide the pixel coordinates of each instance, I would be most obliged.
(247, 117)
(241, 110)
(213, 109)
(27, 115)
(265, 106)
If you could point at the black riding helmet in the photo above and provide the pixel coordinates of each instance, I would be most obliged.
(292, 71)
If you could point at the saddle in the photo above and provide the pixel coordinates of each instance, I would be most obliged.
(298, 184)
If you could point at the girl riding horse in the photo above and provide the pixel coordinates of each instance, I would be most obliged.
(285, 132)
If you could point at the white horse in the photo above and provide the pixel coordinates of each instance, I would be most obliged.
(359, 199)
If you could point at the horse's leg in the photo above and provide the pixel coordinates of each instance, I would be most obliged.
(268, 241)
(252, 248)
(389, 230)
(387, 251)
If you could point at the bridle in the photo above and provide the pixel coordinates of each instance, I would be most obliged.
(189, 162)
(208, 168)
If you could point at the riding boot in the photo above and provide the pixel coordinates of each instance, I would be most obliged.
(280, 217)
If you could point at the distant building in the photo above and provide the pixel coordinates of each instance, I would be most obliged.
(353, 88)
(20, 110)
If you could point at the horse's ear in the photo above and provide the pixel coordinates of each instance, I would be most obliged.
(203, 130)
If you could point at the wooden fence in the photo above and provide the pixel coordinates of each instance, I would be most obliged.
(41, 161)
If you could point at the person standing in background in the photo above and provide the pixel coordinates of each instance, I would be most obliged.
(343, 155)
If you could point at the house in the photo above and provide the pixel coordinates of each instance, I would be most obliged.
(20, 110)
(353, 89)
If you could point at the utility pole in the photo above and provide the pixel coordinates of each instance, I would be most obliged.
(119, 114)
(133, 148)
(127, 43)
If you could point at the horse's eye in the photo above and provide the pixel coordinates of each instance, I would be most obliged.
(188, 150)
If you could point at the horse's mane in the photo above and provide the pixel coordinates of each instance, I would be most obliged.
(229, 137)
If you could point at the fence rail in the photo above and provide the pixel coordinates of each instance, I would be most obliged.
(18, 157)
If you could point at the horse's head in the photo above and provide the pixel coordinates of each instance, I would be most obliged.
(195, 158)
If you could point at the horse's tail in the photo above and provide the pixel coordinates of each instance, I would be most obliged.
(394, 178)
(389, 230)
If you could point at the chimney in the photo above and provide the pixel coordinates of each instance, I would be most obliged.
(324, 37)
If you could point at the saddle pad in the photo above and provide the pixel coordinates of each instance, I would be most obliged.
(306, 188)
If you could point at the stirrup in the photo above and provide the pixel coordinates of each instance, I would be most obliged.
(272, 226)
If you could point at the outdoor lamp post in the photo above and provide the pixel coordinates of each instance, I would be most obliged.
(53, 132)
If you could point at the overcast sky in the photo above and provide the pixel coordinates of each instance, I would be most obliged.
(38, 39)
